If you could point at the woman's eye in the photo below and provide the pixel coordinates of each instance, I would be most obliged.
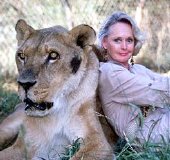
(53, 55)
(21, 56)
(130, 40)
(117, 40)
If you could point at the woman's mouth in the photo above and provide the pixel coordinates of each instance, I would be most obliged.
(123, 54)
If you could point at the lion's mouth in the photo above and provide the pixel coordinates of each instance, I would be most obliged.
(30, 105)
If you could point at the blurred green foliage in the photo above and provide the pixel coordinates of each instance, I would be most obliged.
(8, 99)
(152, 17)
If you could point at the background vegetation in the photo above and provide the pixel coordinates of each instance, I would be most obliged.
(152, 16)
(8, 96)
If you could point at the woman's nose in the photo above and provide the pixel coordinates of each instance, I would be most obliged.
(124, 45)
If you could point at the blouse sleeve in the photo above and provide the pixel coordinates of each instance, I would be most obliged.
(121, 86)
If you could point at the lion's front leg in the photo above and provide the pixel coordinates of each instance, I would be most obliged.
(9, 128)
(86, 125)
(93, 149)
(14, 152)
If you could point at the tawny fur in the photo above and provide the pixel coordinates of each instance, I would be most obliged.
(69, 80)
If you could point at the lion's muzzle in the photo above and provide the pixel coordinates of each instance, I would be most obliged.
(30, 105)
(26, 85)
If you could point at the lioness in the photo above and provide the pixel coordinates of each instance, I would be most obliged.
(58, 77)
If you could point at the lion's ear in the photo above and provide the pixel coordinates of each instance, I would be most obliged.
(83, 35)
(23, 30)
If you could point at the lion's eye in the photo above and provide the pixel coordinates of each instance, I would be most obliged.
(21, 56)
(53, 55)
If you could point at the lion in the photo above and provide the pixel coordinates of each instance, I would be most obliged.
(57, 83)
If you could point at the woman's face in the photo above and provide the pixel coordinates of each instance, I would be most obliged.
(120, 42)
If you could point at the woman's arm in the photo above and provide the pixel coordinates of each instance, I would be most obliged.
(121, 86)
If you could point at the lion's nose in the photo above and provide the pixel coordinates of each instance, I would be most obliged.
(27, 85)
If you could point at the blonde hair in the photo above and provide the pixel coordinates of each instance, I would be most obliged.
(122, 17)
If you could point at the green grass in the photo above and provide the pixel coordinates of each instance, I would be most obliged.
(128, 151)
(146, 151)
(8, 97)
(71, 149)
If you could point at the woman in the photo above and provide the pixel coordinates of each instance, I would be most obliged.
(134, 98)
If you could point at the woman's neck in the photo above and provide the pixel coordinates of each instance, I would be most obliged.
(125, 65)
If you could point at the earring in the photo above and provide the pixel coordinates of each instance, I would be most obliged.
(105, 56)
(132, 61)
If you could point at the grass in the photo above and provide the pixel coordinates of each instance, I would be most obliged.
(127, 151)
(71, 149)
(8, 96)
(147, 151)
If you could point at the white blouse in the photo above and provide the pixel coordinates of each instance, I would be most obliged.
(124, 91)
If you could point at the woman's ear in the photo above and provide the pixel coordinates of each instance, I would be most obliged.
(104, 43)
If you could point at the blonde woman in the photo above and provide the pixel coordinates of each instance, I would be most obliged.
(135, 99)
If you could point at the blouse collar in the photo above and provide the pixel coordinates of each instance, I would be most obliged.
(118, 63)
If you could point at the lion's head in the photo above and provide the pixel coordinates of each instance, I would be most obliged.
(51, 63)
